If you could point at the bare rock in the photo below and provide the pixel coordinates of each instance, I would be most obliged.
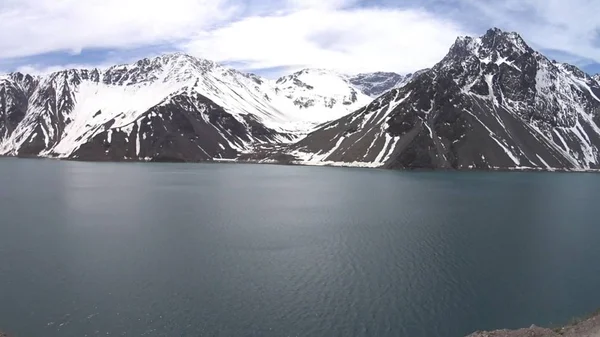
(589, 327)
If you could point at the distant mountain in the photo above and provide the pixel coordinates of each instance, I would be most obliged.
(492, 102)
(596, 77)
(375, 84)
(172, 107)
(324, 94)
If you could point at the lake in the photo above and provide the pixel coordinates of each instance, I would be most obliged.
(139, 249)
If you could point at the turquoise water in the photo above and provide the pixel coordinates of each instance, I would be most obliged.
(96, 249)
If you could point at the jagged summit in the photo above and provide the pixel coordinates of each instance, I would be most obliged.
(129, 72)
(496, 46)
(495, 37)
(168, 58)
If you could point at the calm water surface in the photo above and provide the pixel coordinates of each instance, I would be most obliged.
(91, 249)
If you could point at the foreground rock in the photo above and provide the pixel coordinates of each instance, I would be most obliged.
(587, 328)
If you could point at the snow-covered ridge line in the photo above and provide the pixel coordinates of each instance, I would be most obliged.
(58, 114)
(491, 103)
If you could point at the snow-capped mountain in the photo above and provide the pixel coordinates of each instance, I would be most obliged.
(596, 77)
(492, 102)
(172, 107)
(375, 84)
(324, 94)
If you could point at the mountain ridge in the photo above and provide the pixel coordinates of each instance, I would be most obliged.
(54, 115)
(491, 103)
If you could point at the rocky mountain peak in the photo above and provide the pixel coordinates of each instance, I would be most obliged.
(175, 66)
(496, 39)
(495, 46)
(597, 78)
(24, 81)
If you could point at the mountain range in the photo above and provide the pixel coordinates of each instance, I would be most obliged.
(491, 103)
(172, 107)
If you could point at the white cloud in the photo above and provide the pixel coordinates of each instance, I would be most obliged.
(349, 40)
(29, 27)
(568, 26)
(283, 34)
(319, 4)
(292, 33)
(37, 69)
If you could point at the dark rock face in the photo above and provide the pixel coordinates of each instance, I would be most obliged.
(13, 106)
(51, 99)
(492, 102)
(186, 128)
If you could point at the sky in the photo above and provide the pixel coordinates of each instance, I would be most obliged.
(276, 37)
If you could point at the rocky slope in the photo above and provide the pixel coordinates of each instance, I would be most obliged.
(375, 84)
(492, 102)
(587, 328)
(173, 107)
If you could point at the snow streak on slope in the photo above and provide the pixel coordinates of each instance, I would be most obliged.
(360, 138)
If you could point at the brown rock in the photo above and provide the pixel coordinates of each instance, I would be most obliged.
(586, 328)
(531, 332)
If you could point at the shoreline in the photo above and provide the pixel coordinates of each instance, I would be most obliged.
(328, 164)
(586, 327)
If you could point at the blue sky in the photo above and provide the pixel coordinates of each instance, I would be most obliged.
(272, 37)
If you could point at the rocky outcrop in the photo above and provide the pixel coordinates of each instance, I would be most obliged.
(587, 328)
